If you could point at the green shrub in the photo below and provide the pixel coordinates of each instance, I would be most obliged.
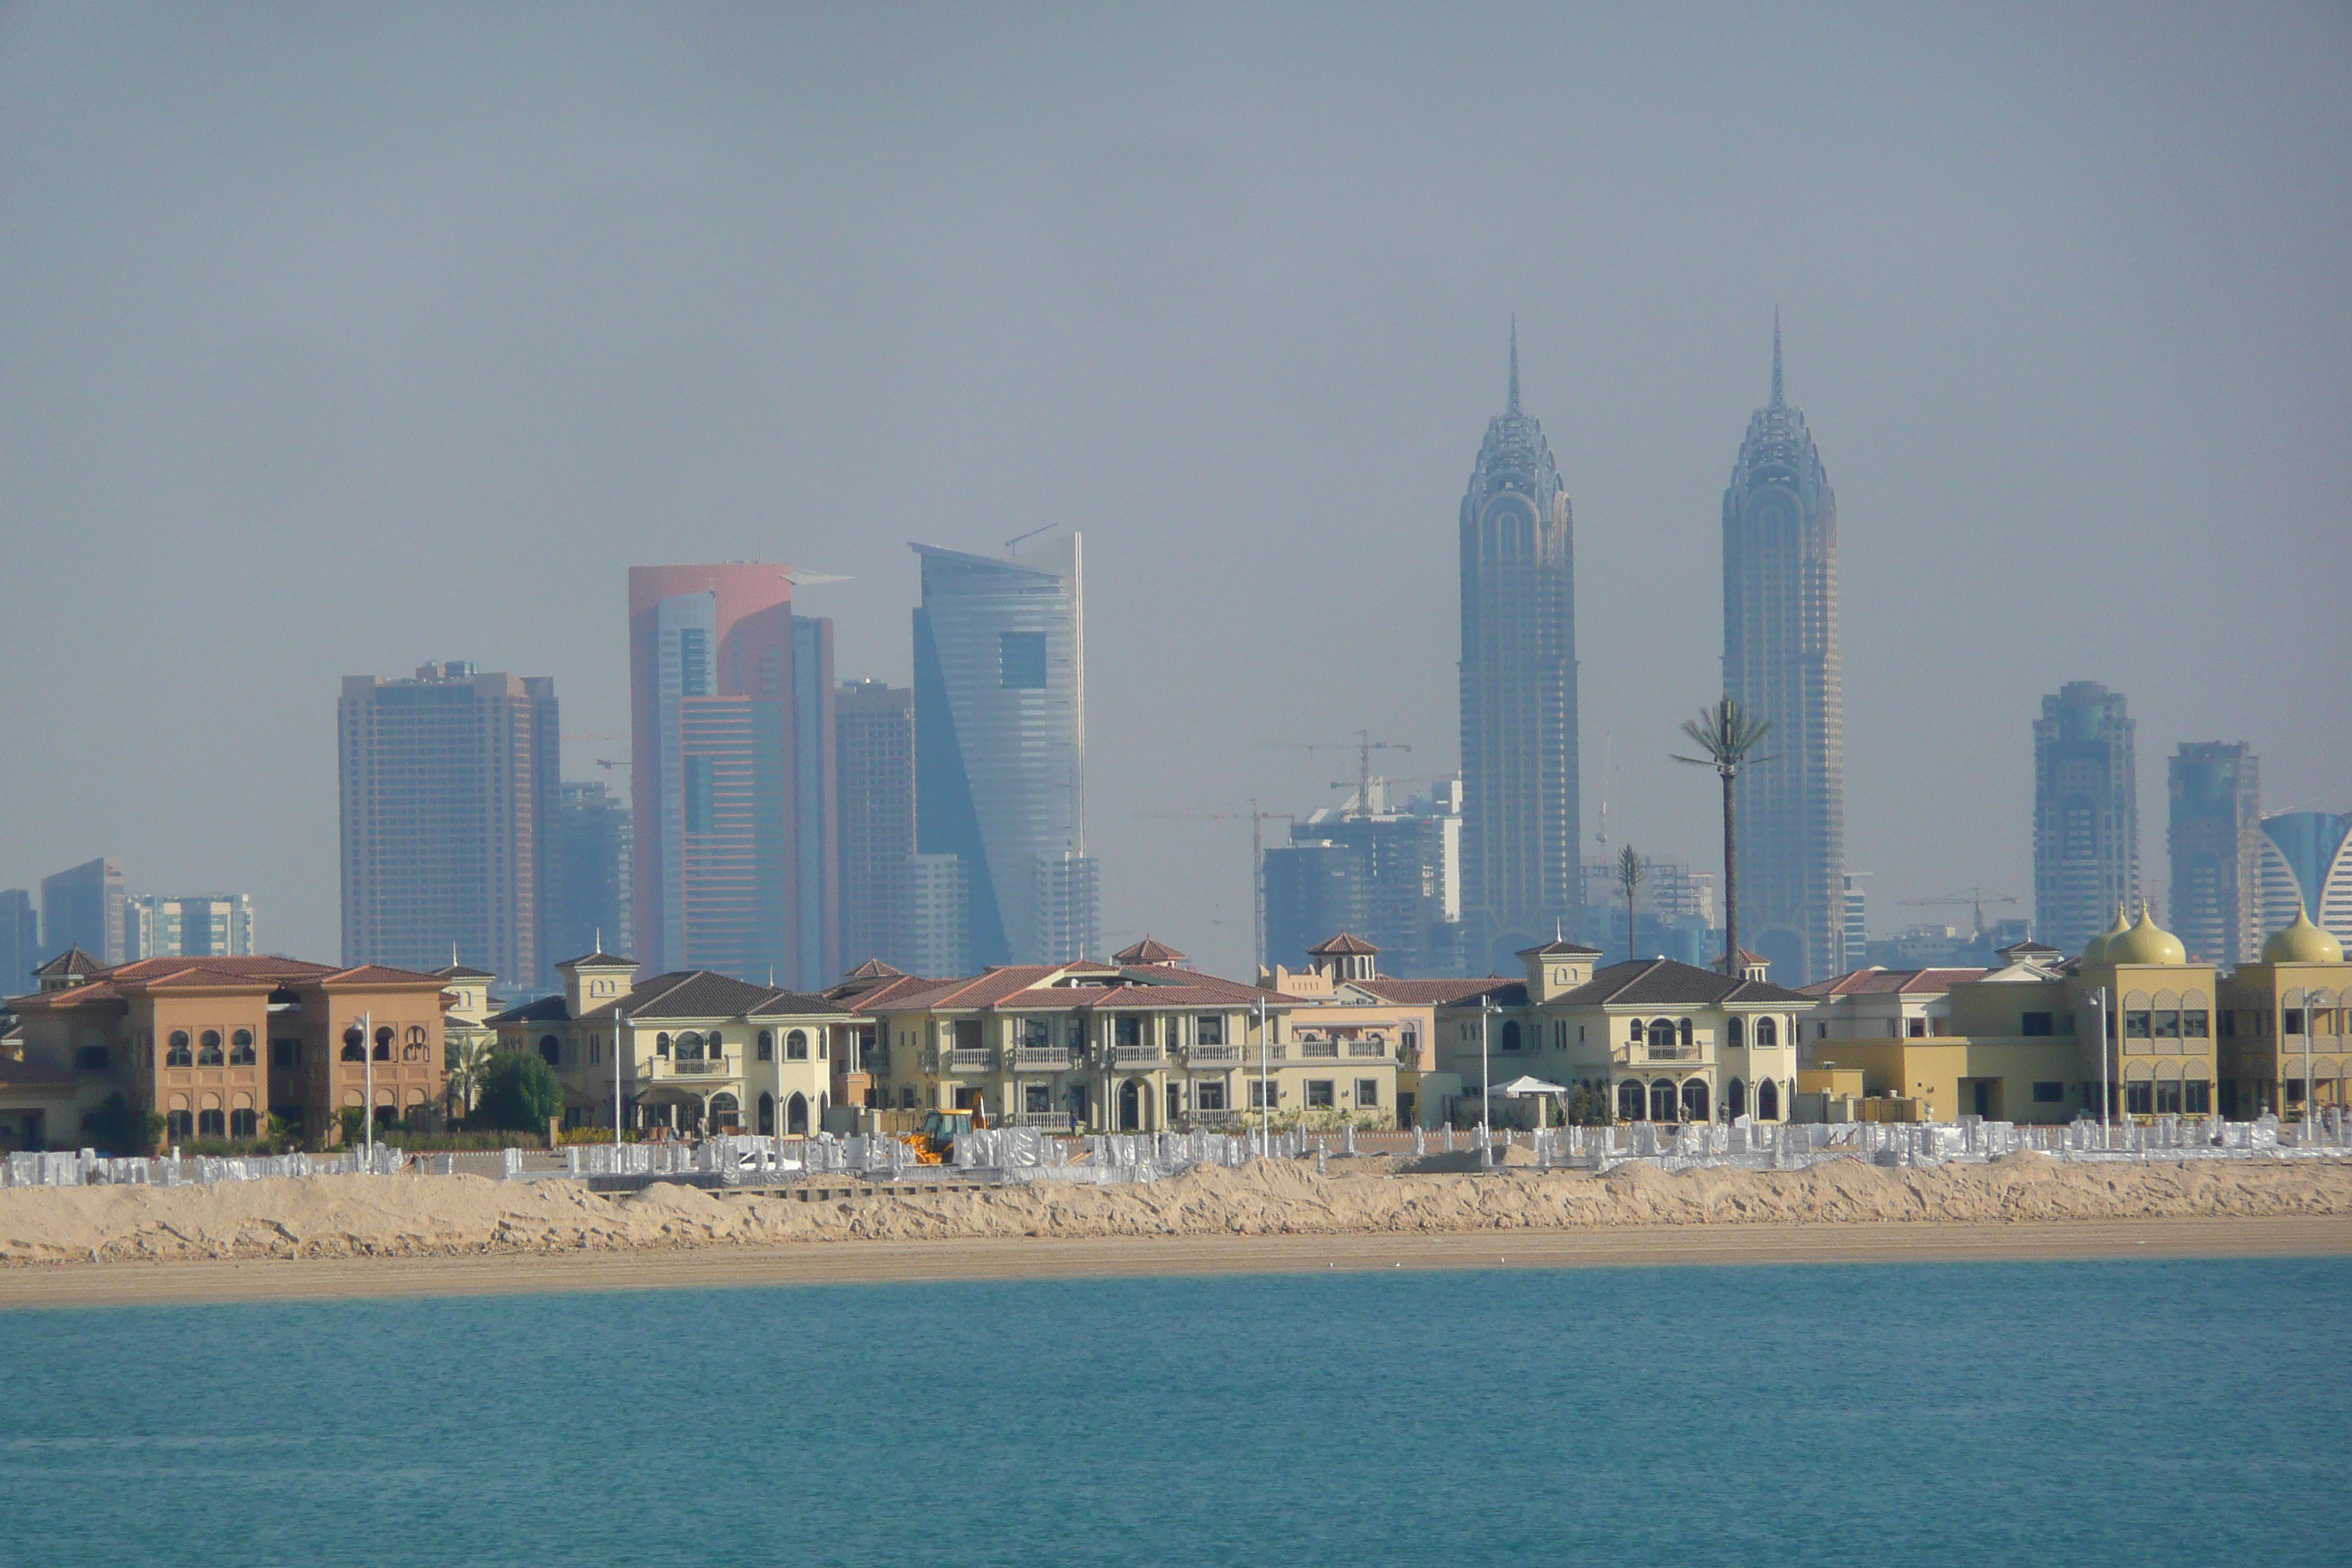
(1589, 1107)
(121, 1130)
(520, 1092)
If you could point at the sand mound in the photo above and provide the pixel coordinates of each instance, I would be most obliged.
(339, 1216)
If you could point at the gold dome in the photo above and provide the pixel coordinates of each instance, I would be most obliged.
(2302, 943)
(2096, 949)
(2146, 942)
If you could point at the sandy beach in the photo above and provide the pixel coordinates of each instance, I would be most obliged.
(380, 1237)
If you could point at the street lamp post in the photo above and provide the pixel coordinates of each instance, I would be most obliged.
(367, 1078)
(1264, 1106)
(620, 1031)
(1485, 1083)
(2106, 1099)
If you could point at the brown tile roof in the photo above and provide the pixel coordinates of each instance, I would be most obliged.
(1666, 983)
(1150, 949)
(372, 975)
(703, 994)
(1437, 993)
(1886, 981)
(868, 997)
(72, 961)
(1347, 945)
(1557, 945)
(256, 969)
(874, 969)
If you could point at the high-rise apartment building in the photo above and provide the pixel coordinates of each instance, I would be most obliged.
(2307, 859)
(86, 906)
(1000, 747)
(2085, 814)
(591, 872)
(1857, 918)
(1780, 662)
(874, 744)
(936, 897)
(20, 940)
(1391, 877)
(192, 925)
(2216, 842)
(1519, 807)
(732, 780)
(450, 784)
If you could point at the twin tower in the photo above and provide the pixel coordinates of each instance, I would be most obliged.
(1521, 807)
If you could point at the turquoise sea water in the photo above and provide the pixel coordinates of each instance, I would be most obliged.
(2141, 1412)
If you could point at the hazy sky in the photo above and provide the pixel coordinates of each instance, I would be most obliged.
(337, 339)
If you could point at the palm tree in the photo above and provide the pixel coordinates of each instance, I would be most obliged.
(1630, 871)
(469, 1064)
(1729, 737)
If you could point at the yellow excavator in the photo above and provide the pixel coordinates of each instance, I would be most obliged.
(935, 1144)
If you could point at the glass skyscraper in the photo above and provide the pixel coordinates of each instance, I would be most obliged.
(1780, 662)
(1000, 748)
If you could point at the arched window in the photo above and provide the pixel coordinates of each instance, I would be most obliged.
(1629, 1100)
(1682, 1031)
(689, 1047)
(208, 1050)
(661, 1047)
(180, 1125)
(1511, 1035)
(1663, 1101)
(354, 1045)
(1636, 1035)
(796, 1114)
(178, 1053)
(1767, 1100)
(726, 1115)
(240, 1049)
(1768, 1033)
(1735, 1030)
(906, 1098)
(1662, 1037)
(414, 1048)
(768, 1054)
(1694, 1100)
(211, 1124)
(383, 1044)
(551, 1051)
(244, 1124)
(1735, 1099)
(796, 1045)
(767, 1101)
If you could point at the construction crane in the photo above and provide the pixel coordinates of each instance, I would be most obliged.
(1974, 898)
(606, 762)
(1363, 745)
(1257, 820)
(1031, 534)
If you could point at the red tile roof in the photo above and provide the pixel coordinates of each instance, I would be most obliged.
(1344, 945)
(1890, 982)
(1150, 949)
(1426, 993)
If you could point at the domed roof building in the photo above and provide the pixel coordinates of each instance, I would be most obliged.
(2096, 949)
(2284, 1024)
(2145, 942)
(2302, 943)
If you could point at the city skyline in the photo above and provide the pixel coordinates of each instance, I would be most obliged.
(1231, 330)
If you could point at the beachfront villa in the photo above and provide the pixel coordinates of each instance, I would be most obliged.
(1665, 1041)
(1142, 1044)
(2284, 1024)
(217, 1045)
(692, 1051)
(2023, 1042)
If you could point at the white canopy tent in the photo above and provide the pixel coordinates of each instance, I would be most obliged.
(1525, 1088)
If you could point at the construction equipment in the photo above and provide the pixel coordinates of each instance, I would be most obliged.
(1974, 898)
(1363, 745)
(1257, 820)
(935, 1144)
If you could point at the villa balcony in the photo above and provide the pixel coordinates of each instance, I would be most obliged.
(967, 1059)
(1136, 1057)
(1043, 1059)
(1042, 1121)
(1318, 1051)
(1368, 1048)
(704, 1068)
(1214, 1056)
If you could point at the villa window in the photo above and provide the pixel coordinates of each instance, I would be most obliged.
(1682, 1031)
(2139, 1024)
(2168, 1024)
(2197, 1098)
(244, 1122)
(1037, 1098)
(180, 1125)
(2139, 1098)
(383, 1044)
(285, 1053)
(2049, 1094)
(1209, 1029)
(2036, 1024)
(1036, 1034)
(1368, 1092)
(2291, 1021)
(796, 1045)
(1126, 1029)
(1175, 1098)
(211, 1124)
(1735, 1031)
(1915, 1028)
(354, 1045)
(1511, 1035)
(1638, 1030)
(240, 1049)
(551, 1051)
(1767, 1034)
(208, 1050)
(2168, 1097)
(1209, 1096)
(415, 1048)
(767, 1044)
(1265, 1094)
(1320, 1096)
(661, 1047)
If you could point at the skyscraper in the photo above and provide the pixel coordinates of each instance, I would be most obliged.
(2306, 857)
(189, 925)
(731, 776)
(1519, 809)
(875, 744)
(1000, 747)
(2085, 814)
(1390, 877)
(2216, 841)
(592, 873)
(1780, 662)
(448, 788)
(85, 906)
(20, 940)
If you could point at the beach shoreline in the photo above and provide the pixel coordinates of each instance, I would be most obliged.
(819, 1263)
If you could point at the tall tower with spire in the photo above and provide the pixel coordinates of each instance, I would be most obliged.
(1780, 662)
(1519, 807)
